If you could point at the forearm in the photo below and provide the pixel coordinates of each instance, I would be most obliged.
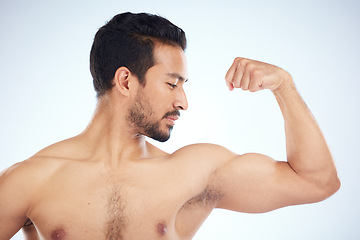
(307, 151)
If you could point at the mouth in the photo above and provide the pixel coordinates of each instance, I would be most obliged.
(171, 117)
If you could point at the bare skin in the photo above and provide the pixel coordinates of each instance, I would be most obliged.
(109, 183)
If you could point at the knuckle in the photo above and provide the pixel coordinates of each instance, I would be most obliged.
(237, 59)
(243, 61)
(251, 66)
(255, 73)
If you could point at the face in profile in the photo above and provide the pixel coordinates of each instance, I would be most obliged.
(156, 106)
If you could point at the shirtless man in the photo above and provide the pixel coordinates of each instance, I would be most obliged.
(110, 183)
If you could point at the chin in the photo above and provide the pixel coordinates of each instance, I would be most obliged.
(161, 136)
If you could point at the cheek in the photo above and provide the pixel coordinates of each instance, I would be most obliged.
(160, 101)
(159, 110)
(160, 98)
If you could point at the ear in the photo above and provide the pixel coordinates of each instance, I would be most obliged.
(121, 80)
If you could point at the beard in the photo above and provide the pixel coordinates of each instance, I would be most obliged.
(140, 114)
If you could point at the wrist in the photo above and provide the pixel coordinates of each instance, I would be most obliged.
(285, 85)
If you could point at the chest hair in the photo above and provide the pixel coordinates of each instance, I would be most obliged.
(117, 219)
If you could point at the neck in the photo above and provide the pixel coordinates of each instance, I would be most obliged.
(109, 137)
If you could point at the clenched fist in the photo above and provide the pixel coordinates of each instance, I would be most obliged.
(253, 75)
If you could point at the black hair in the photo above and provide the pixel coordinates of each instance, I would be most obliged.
(128, 40)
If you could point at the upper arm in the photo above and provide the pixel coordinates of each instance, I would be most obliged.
(257, 183)
(14, 194)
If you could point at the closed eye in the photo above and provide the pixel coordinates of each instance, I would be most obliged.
(172, 85)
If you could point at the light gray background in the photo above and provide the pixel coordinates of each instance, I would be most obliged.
(46, 90)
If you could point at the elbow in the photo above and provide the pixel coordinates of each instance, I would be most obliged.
(330, 187)
(335, 186)
(334, 183)
(323, 187)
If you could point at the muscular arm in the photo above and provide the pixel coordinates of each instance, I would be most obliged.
(257, 183)
(307, 151)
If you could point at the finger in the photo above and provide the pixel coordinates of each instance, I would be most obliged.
(229, 77)
(230, 73)
(245, 80)
(237, 78)
(256, 83)
(230, 86)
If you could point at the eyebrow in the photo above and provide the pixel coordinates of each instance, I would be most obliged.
(177, 76)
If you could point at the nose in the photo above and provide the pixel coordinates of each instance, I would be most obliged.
(180, 102)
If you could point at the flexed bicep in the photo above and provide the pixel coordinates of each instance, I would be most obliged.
(256, 183)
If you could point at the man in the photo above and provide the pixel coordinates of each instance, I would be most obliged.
(110, 183)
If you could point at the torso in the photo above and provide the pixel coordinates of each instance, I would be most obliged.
(164, 197)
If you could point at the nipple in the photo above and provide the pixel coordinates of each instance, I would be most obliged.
(161, 228)
(58, 234)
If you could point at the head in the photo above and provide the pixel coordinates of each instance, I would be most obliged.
(150, 49)
(128, 40)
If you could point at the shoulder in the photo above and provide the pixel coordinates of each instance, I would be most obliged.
(208, 157)
(205, 151)
(32, 172)
(18, 185)
(27, 174)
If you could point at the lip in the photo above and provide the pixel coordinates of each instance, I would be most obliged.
(172, 118)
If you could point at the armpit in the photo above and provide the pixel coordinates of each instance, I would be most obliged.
(208, 196)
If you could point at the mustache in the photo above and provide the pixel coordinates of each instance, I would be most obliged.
(172, 113)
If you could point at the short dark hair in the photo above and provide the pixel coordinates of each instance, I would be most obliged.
(128, 40)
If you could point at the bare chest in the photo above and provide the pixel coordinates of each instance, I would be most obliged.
(144, 207)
